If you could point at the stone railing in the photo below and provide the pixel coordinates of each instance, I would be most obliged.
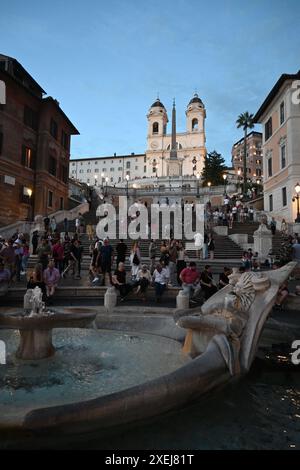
(24, 226)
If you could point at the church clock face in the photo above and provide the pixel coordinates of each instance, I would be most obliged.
(154, 145)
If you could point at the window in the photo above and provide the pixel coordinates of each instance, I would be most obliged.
(96, 163)
(112, 179)
(258, 172)
(127, 164)
(104, 170)
(270, 170)
(50, 198)
(195, 125)
(65, 140)
(120, 168)
(271, 203)
(258, 162)
(112, 169)
(30, 118)
(284, 198)
(155, 128)
(283, 156)
(64, 175)
(52, 166)
(145, 169)
(61, 203)
(145, 159)
(136, 167)
(281, 112)
(96, 170)
(268, 129)
(73, 172)
(73, 164)
(53, 128)
(28, 157)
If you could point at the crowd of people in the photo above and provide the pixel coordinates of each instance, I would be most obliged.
(59, 255)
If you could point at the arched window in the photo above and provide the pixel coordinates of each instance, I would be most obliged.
(195, 124)
(155, 128)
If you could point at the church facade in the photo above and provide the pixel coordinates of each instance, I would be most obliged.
(176, 153)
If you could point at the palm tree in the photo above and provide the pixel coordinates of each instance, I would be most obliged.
(245, 120)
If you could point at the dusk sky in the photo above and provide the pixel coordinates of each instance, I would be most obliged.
(105, 62)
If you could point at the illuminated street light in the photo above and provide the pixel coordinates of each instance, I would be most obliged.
(296, 198)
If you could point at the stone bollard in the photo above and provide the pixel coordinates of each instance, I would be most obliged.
(110, 298)
(182, 300)
(262, 241)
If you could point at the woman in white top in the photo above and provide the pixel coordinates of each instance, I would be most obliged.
(181, 260)
(135, 260)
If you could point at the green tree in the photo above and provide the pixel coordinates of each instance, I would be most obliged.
(214, 169)
(245, 120)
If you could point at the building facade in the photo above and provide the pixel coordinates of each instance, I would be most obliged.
(109, 170)
(279, 116)
(190, 145)
(35, 137)
(253, 157)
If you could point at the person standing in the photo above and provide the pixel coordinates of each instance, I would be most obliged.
(53, 224)
(121, 250)
(211, 246)
(135, 260)
(106, 256)
(172, 263)
(34, 241)
(181, 263)
(43, 252)
(152, 255)
(46, 223)
(58, 255)
(77, 250)
(273, 226)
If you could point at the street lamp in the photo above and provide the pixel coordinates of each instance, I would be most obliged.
(198, 179)
(296, 198)
(209, 185)
(127, 179)
(106, 180)
(96, 178)
(29, 193)
(239, 174)
(224, 178)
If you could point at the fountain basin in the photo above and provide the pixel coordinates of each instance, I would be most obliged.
(36, 331)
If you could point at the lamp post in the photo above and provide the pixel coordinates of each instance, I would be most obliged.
(127, 179)
(96, 179)
(106, 180)
(239, 174)
(296, 198)
(198, 180)
(29, 192)
(224, 178)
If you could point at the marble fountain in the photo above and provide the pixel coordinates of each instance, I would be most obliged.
(80, 379)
